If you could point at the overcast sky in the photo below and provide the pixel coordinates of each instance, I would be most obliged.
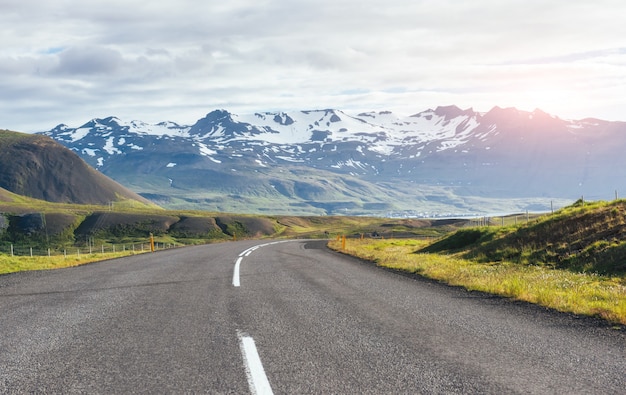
(68, 61)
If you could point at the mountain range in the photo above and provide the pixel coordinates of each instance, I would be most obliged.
(438, 162)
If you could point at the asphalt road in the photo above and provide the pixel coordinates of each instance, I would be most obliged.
(288, 318)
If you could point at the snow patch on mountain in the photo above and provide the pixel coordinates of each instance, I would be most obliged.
(289, 159)
(351, 163)
(208, 152)
(109, 146)
(90, 152)
(76, 134)
(160, 129)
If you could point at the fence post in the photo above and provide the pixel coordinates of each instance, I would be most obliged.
(12, 250)
(48, 253)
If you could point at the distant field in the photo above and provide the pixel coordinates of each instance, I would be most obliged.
(33, 227)
(70, 224)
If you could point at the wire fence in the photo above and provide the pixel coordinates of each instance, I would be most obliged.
(28, 251)
(506, 220)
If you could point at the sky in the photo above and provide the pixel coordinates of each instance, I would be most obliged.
(69, 61)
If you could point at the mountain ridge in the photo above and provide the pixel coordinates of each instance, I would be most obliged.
(442, 160)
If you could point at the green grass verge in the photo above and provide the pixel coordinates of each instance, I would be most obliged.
(563, 290)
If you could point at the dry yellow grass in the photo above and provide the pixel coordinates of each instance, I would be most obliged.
(10, 264)
(578, 293)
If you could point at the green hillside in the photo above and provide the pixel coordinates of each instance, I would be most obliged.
(584, 237)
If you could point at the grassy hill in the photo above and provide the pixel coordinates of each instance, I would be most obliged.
(38, 167)
(584, 237)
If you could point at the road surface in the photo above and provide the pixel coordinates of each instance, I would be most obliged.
(285, 317)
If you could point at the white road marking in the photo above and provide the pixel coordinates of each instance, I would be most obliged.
(245, 253)
(236, 282)
(257, 380)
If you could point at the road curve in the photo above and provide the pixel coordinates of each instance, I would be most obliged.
(299, 319)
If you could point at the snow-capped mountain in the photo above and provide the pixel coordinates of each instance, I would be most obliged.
(329, 161)
(275, 137)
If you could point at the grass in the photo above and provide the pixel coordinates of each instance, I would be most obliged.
(563, 290)
(12, 203)
(9, 264)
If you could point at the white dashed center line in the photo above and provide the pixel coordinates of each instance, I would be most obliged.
(257, 380)
(236, 282)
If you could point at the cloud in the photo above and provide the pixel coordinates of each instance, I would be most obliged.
(89, 60)
(178, 60)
